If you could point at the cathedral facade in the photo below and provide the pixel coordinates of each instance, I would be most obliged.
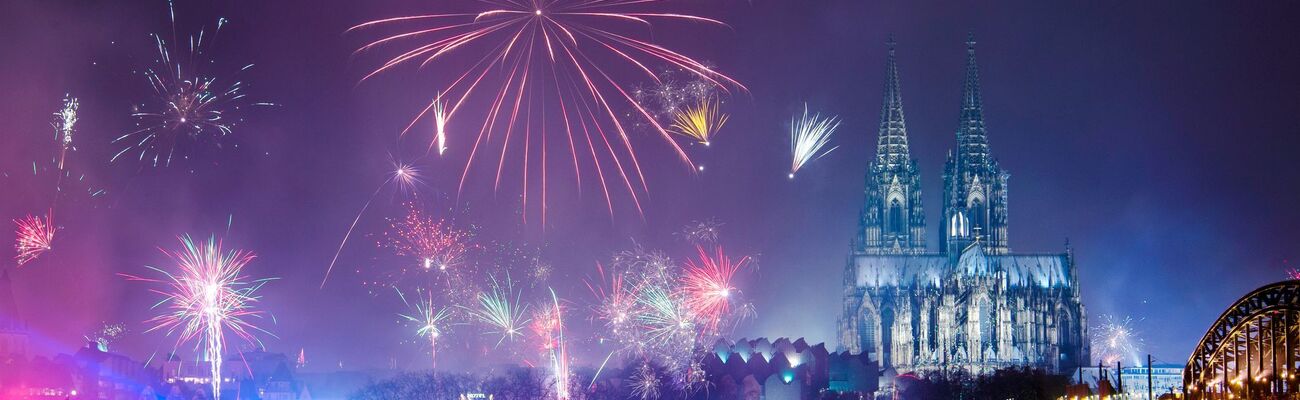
(972, 304)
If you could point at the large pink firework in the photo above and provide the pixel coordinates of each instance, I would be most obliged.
(35, 236)
(536, 58)
(706, 283)
(206, 295)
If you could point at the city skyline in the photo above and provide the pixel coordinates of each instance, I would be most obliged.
(1158, 149)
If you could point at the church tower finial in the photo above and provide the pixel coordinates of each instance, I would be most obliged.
(892, 218)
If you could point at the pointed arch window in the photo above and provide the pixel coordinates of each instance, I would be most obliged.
(867, 327)
(895, 217)
(986, 322)
(979, 217)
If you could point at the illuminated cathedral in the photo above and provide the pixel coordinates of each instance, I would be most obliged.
(973, 304)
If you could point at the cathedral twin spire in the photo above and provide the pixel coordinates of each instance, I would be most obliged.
(893, 221)
(974, 206)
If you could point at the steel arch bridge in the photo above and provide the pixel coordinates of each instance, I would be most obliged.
(1251, 350)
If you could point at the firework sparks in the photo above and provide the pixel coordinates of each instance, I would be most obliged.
(106, 335)
(672, 91)
(188, 103)
(64, 123)
(440, 122)
(702, 232)
(701, 121)
(707, 285)
(207, 296)
(1293, 274)
(567, 58)
(434, 243)
(645, 382)
(405, 176)
(808, 135)
(1116, 339)
(35, 237)
(500, 312)
(427, 319)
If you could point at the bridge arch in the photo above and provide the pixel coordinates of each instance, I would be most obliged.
(1250, 351)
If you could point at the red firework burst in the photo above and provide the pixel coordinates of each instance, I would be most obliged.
(567, 58)
(706, 283)
(35, 236)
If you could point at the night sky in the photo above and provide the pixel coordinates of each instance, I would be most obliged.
(1157, 137)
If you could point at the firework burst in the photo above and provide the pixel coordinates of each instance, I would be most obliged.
(106, 335)
(645, 382)
(808, 135)
(702, 232)
(499, 309)
(568, 58)
(427, 319)
(548, 327)
(35, 237)
(706, 283)
(434, 243)
(206, 296)
(65, 122)
(700, 121)
(189, 104)
(1115, 339)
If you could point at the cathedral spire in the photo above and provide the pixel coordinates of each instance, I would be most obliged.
(893, 220)
(891, 143)
(972, 139)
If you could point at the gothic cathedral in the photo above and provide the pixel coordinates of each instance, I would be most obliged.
(972, 305)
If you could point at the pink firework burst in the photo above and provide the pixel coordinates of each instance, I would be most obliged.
(35, 236)
(434, 243)
(706, 283)
(206, 296)
(571, 59)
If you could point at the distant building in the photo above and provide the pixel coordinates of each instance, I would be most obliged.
(1132, 381)
(974, 304)
(249, 375)
(785, 370)
(13, 331)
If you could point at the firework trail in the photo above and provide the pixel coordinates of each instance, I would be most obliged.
(1293, 274)
(405, 176)
(206, 296)
(700, 121)
(1116, 339)
(548, 325)
(808, 135)
(707, 285)
(65, 122)
(502, 314)
(440, 122)
(35, 237)
(427, 319)
(188, 103)
(549, 58)
(106, 335)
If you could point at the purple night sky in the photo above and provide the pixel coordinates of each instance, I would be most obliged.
(1158, 137)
